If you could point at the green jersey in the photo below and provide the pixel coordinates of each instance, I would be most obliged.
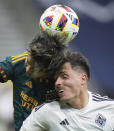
(27, 93)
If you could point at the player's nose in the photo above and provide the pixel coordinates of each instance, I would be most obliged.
(58, 82)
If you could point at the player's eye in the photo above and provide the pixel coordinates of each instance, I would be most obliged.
(64, 76)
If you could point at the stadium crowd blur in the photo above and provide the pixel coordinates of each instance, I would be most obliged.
(19, 23)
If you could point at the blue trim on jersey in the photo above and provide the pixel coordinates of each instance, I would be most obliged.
(99, 98)
(38, 107)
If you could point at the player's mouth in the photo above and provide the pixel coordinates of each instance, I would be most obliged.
(60, 92)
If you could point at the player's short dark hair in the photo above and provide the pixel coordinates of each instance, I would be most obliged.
(47, 51)
(78, 61)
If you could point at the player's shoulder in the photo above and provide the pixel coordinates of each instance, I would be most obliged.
(16, 58)
(20, 57)
(47, 106)
(102, 100)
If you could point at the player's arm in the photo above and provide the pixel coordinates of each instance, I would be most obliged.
(6, 70)
(36, 121)
(8, 66)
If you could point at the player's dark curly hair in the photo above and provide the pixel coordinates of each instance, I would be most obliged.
(47, 51)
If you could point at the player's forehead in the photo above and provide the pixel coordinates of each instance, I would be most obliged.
(65, 69)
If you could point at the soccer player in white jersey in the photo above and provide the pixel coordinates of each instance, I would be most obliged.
(77, 109)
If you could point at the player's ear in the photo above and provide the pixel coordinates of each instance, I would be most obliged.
(84, 78)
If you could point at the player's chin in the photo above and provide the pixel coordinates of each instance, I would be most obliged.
(62, 98)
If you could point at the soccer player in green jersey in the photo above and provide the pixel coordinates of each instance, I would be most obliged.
(32, 74)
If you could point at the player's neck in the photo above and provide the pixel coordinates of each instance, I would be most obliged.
(81, 101)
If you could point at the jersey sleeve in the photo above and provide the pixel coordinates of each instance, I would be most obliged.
(36, 121)
(8, 66)
(6, 69)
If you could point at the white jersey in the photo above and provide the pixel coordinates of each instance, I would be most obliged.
(98, 115)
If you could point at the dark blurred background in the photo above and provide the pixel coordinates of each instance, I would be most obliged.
(19, 23)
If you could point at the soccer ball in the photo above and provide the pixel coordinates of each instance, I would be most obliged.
(62, 20)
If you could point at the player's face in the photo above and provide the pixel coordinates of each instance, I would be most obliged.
(32, 68)
(69, 83)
